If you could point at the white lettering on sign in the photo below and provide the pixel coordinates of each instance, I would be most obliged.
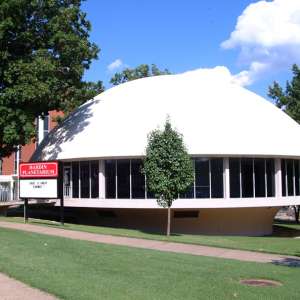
(38, 188)
(38, 170)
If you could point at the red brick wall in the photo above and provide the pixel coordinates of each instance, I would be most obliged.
(27, 150)
(8, 165)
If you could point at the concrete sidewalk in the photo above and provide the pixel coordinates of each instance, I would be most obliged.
(159, 245)
(12, 289)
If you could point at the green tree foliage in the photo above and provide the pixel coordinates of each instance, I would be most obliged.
(44, 51)
(141, 71)
(289, 101)
(168, 167)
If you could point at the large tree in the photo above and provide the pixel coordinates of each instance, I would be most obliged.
(168, 167)
(44, 51)
(141, 71)
(289, 101)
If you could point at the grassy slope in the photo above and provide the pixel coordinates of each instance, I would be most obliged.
(274, 244)
(77, 270)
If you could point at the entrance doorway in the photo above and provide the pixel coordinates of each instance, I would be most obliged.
(67, 182)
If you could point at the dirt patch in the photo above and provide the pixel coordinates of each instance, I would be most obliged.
(260, 282)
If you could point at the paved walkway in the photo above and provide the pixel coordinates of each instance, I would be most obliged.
(159, 245)
(12, 289)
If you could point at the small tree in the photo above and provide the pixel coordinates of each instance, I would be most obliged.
(168, 167)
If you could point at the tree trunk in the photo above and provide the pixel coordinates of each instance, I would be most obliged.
(169, 221)
(296, 211)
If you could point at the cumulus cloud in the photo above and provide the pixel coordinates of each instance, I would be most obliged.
(268, 36)
(116, 64)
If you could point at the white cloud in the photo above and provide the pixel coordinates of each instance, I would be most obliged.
(116, 64)
(268, 36)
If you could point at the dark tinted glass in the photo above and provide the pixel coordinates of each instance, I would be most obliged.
(202, 178)
(247, 177)
(95, 179)
(234, 171)
(290, 176)
(123, 181)
(216, 167)
(260, 184)
(189, 193)
(110, 179)
(75, 179)
(137, 180)
(84, 179)
(297, 179)
(270, 170)
(283, 177)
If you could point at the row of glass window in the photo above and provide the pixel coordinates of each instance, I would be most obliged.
(249, 177)
(85, 179)
(290, 177)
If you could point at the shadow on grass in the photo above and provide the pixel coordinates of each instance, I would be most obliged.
(56, 224)
(283, 231)
(287, 262)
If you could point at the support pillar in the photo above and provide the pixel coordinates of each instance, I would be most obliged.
(102, 179)
(25, 210)
(226, 178)
(278, 178)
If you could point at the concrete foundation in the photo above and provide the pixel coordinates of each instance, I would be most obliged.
(223, 221)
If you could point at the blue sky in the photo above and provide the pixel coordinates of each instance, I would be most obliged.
(185, 35)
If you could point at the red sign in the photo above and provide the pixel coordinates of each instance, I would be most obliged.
(38, 170)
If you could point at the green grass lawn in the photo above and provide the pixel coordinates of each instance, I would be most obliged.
(72, 269)
(273, 244)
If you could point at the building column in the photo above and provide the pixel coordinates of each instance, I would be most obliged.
(226, 178)
(278, 178)
(102, 179)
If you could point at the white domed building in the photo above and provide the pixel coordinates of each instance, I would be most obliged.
(245, 152)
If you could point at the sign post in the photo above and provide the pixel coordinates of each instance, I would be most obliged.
(25, 210)
(39, 180)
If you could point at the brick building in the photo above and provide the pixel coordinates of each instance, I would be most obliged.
(9, 165)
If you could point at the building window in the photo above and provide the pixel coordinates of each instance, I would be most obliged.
(270, 172)
(283, 177)
(290, 177)
(46, 125)
(137, 180)
(297, 177)
(75, 179)
(217, 185)
(123, 179)
(202, 181)
(95, 179)
(247, 177)
(42, 128)
(208, 182)
(110, 179)
(84, 179)
(260, 177)
(235, 177)
(251, 177)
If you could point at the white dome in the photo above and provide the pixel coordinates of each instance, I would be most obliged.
(215, 116)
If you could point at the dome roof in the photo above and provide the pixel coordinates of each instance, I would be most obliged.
(215, 116)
